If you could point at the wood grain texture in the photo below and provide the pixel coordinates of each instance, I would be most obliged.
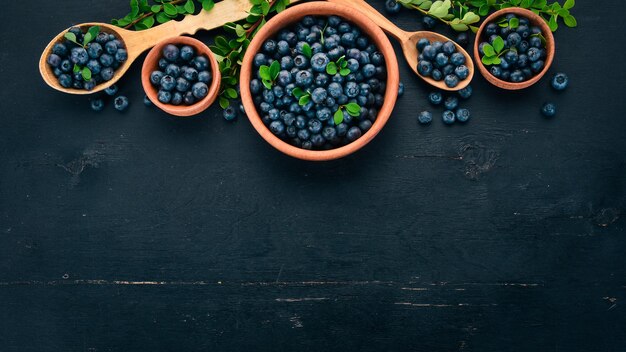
(141, 232)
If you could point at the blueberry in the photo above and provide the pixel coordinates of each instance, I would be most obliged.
(303, 133)
(335, 90)
(422, 43)
(90, 84)
(54, 60)
(537, 66)
(392, 7)
(230, 113)
(168, 83)
(121, 103)
(177, 98)
(330, 43)
(147, 101)
(376, 58)
(448, 69)
(319, 62)
(560, 81)
(200, 63)
(495, 71)
(451, 81)
(314, 125)
(425, 68)
(436, 75)
(182, 85)
(457, 59)
(321, 80)
(429, 22)
(187, 53)
(273, 114)
(511, 57)
(369, 70)
(425, 117)
(66, 66)
(319, 95)
(449, 48)
(304, 78)
(523, 46)
(191, 74)
(401, 89)
(451, 103)
(121, 55)
(527, 72)
(462, 39)
(438, 46)
(94, 50)
(513, 39)
(323, 114)
(353, 65)
(448, 117)
(548, 109)
(94, 66)
(462, 115)
(286, 63)
(112, 90)
(351, 89)
(348, 39)
(491, 29)
(301, 62)
(441, 60)
(102, 38)
(155, 77)
(78, 33)
(57, 72)
(107, 73)
(353, 134)
(284, 78)
(523, 31)
(516, 76)
(535, 42)
(97, 104)
(268, 96)
(317, 140)
(79, 56)
(59, 49)
(534, 54)
(466, 92)
(278, 91)
(522, 60)
(429, 52)
(188, 98)
(171, 52)
(65, 80)
(277, 127)
(344, 27)
(435, 98)
(462, 72)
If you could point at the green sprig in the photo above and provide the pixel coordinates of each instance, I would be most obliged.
(341, 67)
(269, 74)
(353, 109)
(146, 14)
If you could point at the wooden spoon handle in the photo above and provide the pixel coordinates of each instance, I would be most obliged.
(375, 16)
(222, 13)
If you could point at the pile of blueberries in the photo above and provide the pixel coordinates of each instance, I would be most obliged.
(312, 125)
(453, 112)
(183, 76)
(441, 61)
(524, 49)
(102, 57)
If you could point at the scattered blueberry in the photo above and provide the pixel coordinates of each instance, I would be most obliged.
(425, 117)
(466, 92)
(112, 90)
(392, 6)
(429, 22)
(435, 98)
(548, 109)
(451, 103)
(120, 103)
(147, 101)
(401, 89)
(230, 113)
(448, 117)
(560, 81)
(97, 104)
(462, 115)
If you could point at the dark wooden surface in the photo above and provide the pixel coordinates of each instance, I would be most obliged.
(136, 232)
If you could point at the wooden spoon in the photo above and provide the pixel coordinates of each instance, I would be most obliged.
(137, 42)
(409, 42)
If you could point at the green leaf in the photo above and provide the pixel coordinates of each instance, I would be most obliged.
(553, 24)
(224, 103)
(207, 5)
(305, 99)
(439, 8)
(496, 60)
(265, 8)
(306, 50)
(86, 74)
(331, 68)
(274, 70)
(134, 8)
(569, 4)
(231, 93)
(297, 92)
(526, 3)
(161, 17)
(459, 27)
(267, 83)
(148, 22)
(264, 72)
(489, 50)
(338, 118)
(514, 22)
(240, 31)
(353, 109)
(570, 21)
(71, 37)
(190, 7)
(222, 42)
(76, 68)
(155, 8)
(498, 44)
(344, 72)
(170, 9)
(483, 10)
(487, 60)
(470, 18)
(92, 32)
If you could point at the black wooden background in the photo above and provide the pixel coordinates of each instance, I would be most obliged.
(138, 232)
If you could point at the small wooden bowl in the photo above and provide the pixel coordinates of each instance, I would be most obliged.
(285, 19)
(534, 20)
(152, 63)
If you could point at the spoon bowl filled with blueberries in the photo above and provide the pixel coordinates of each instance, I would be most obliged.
(514, 48)
(319, 81)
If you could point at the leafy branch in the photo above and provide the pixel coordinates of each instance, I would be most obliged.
(461, 15)
(353, 109)
(144, 15)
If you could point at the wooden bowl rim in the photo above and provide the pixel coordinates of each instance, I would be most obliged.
(151, 63)
(287, 18)
(550, 48)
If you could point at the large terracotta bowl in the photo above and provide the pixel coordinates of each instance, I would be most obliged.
(152, 63)
(534, 20)
(287, 18)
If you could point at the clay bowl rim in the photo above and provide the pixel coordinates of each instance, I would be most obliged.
(291, 16)
(535, 20)
(51, 80)
(151, 63)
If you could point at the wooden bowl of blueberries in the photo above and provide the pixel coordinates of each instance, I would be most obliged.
(319, 81)
(181, 76)
(514, 48)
